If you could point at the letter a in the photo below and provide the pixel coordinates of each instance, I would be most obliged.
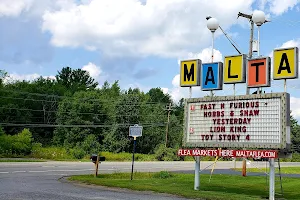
(284, 58)
(210, 76)
(187, 74)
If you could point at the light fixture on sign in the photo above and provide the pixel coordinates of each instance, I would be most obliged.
(212, 24)
(258, 17)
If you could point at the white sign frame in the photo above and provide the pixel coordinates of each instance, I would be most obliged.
(135, 131)
(284, 120)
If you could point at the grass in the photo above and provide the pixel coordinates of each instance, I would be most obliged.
(284, 170)
(21, 160)
(221, 186)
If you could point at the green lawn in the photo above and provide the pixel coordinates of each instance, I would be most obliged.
(21, 160)
(221, 186)
(284, 170)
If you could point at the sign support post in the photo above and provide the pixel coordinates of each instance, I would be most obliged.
(272, 180)
(197, 173)
(134, 145)
(197, 161)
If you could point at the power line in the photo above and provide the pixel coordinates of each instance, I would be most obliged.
(162, 124)
(86, 99)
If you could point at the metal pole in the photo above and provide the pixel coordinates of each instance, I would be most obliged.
(250, 49)
(258, 42)
(258, 49)
(284, 85)
(134, 144)
(272, 180)
(197, 173)
(234, 89)
(190, 92)
(212, 53)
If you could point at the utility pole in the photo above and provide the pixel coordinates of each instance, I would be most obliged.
(169, 109)
(249, 17)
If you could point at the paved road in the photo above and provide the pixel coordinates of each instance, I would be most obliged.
(41, 180)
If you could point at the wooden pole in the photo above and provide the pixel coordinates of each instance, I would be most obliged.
(96, 166)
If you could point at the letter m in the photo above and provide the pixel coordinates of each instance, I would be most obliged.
(188, 74)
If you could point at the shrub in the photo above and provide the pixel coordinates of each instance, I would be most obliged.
(163, 175)
(163, 153)
(78, 152)
(16, 145)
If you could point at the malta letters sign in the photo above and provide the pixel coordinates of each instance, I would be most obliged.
(234, 69)
(254, 121)
(190, 73)
(285, 63)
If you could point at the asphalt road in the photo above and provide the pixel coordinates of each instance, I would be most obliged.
(42, 180)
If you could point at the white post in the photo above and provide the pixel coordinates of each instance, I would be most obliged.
(272, 180)
(258, 49)
(212, 53)
(234, 89)
(258, 41)
(284, 85)
(197, 161)
(197, 173)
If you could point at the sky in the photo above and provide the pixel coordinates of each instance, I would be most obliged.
(139, 42)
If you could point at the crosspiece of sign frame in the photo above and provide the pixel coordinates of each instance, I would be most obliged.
(255, 72)
(135, 131)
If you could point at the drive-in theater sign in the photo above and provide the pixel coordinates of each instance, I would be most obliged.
(260, 122)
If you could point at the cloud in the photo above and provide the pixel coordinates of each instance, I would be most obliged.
(14, 9)
(145, 73)
(278, 7)
(166, 28)
(26, 77)
(295, 107)
(93, 70)
(97, 73)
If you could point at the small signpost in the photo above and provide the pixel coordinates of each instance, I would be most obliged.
(134, 131)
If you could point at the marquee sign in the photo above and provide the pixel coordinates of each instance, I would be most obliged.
(255, 121)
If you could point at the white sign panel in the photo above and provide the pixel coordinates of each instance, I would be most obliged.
(135, 131)
(255, 121)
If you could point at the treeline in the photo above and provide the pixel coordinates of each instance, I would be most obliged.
(74, 113)
(70, 111)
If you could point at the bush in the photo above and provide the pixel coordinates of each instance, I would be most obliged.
(90, 145)
(52, 153)
(16, 145)
(163, 175)
(78, 153)
(163, 153)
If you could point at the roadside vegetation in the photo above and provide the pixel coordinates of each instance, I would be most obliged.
(70, 117)
(283, 170)
(235, 187)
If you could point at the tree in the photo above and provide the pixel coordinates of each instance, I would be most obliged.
(75, 80)
(295, 135)
(3, 75)
(84, 108)
(157, 95)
